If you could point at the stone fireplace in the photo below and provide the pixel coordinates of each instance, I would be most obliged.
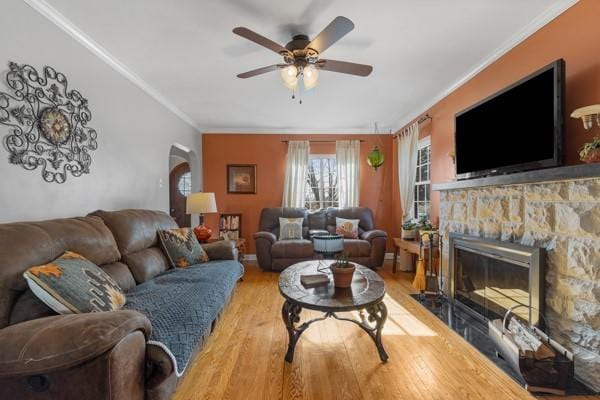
(490, 277)
(550, 209)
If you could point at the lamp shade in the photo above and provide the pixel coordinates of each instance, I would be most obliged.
(328, 244)
(201, 203)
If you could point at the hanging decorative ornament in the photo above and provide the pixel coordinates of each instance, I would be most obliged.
(375, 158)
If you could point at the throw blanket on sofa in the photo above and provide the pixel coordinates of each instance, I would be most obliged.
(183, 303)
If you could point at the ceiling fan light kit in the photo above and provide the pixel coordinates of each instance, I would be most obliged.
(301, 62)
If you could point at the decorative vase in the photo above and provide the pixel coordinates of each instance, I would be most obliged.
(342, 277)
(592, 156)
(203, 233)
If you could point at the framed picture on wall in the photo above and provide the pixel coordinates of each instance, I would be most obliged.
(241, 178)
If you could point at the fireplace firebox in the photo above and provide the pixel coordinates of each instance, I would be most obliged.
(489, 277)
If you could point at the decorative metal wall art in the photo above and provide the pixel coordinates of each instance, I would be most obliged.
(47, 123)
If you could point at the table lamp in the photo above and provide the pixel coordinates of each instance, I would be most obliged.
(328, 245)
(201, 203)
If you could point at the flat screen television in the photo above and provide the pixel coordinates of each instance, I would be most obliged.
(517, 129)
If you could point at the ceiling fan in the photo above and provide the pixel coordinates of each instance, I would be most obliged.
(301, 60)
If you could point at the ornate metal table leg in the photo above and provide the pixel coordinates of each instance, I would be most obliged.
(291, 316)
(378, 314)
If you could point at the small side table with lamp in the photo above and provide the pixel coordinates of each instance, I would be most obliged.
(201, 203)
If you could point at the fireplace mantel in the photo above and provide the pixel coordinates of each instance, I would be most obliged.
(570, 172)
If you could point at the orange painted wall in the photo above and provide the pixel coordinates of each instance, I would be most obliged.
(573, 36)
(269, 153)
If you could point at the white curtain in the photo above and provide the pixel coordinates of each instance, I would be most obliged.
(295, 173)
(407, 167)
(347, 154)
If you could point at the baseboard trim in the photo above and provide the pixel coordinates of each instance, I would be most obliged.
(252, 257)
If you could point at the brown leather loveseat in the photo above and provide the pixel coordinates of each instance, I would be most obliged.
(274, 254)
(105, 355)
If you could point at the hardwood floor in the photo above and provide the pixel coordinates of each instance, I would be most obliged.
(244, 357)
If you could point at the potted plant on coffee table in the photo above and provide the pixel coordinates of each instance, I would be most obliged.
(343, 271)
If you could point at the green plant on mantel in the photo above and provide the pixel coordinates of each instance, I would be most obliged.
(342, 261)
(588, 148)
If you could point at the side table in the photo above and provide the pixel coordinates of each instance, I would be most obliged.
(412, 246)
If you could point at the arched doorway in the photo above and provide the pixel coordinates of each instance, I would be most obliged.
(184, 178)
(180, 187)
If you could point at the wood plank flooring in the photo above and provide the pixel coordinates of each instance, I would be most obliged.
(244, 357)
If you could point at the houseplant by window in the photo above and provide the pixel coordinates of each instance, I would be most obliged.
(343, 271)
(409, 230)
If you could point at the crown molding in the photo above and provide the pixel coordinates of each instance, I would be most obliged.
(538, 23)
(289, 131)
(54, 16)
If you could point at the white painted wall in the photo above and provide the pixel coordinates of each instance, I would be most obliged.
(131, 166)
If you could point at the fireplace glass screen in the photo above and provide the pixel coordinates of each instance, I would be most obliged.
(490, 286)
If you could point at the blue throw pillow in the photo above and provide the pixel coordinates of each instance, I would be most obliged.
(181, 247)
(72, 284)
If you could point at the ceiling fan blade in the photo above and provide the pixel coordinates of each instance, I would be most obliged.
(260, 40)
(258, 71)
(333, 32)
(344, 67)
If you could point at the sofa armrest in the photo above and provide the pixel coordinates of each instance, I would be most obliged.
(59, 342)
(370, 235)
(264, 241)
(265, 235)
(221, 250)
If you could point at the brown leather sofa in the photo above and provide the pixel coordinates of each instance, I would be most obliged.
(102, 355)
(274, 254)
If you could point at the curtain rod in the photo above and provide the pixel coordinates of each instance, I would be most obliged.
(319, 141)
(420, 121)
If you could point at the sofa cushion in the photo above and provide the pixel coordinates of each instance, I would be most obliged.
(121, 274)
(269, 219)
(25, 244)
(71, 284)
(292, 249)
(183, 303)
(135, 230)
(357, 248)
(147, 263)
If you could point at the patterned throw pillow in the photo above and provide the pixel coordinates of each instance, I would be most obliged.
(348, 228)
(290, 228)
(182, 247)
(72, 284)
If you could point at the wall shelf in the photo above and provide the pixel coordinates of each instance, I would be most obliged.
(580, 171)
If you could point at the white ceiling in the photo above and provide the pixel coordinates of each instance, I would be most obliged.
(186, 55)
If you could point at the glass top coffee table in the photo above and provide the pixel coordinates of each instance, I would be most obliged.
(365, 294)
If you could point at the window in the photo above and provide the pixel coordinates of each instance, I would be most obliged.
(185, 184)
(423, 179)
(321, 186)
